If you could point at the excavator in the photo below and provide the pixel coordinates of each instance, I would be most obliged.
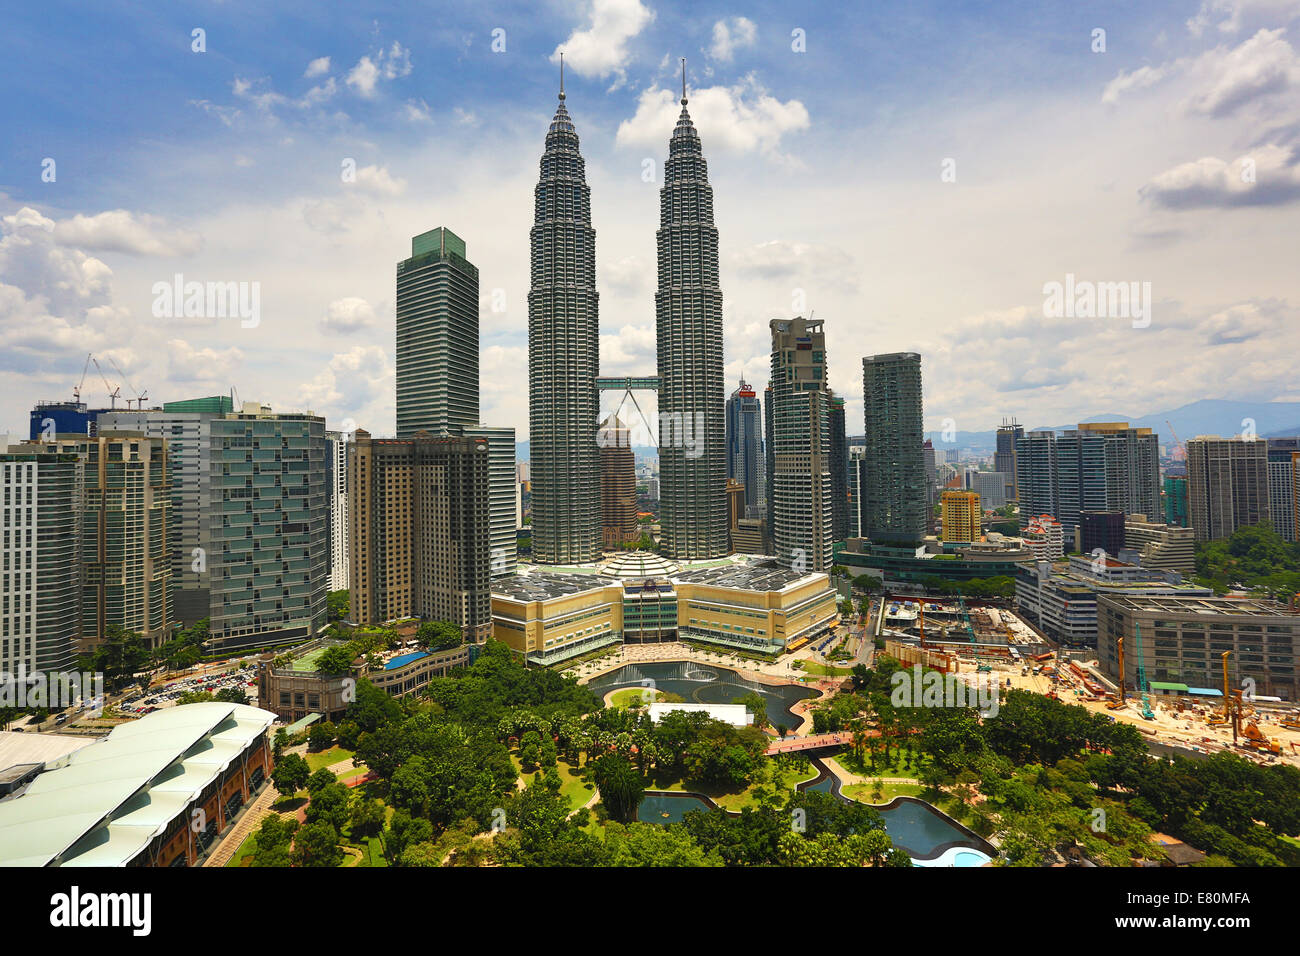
(1232, 713)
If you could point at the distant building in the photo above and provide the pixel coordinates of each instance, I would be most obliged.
(1099, 466)
(186, 426)
(548, 617)
(296, 690)
(1281, 486)
(1175, 501)
(1227, 485)
(961, 515)
(1044, 536)
(50, 420)
(125, 564)
(501, 494)
(992, 489)
(617, 484)
(1102, 530)
(745, 454)
(800, 442)
(336, 523)
(839, 466)
(1004, 459)
(894, 486)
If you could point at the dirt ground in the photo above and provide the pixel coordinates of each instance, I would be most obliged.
(1186, 729)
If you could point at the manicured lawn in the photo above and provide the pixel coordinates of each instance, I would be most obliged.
(325, 758)
(629, 695)
(863, 792)
(246, 850)
(576, 790)
(772, 778)
(372, 853)
(822, 670)
(896, 766)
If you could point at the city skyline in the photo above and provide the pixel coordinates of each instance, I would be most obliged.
(211, 201)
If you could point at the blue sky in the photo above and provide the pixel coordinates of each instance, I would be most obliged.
(224, 165)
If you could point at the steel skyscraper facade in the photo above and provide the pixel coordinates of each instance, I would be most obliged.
(688, 322)
(564, 356)
(437, 336)
(894, 491)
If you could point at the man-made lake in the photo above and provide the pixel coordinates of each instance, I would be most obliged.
(929, 836)
(705, 684)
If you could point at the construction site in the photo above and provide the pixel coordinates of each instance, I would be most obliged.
(1174, 718)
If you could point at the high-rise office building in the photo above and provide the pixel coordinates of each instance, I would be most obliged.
(838, 454)
(688, 324)
(746, 458)
(503, 545)
(40, 569)
(894, 491)
(1227, 485)
(336, 520)
(419, 511)
(992, 488)
(563, 356)
(617, 484)
(1281, 486)
(124, 556)
(960, 515)
(267, 511)
(1004, 458)
(186, 426)
(437, 336)
(769, 469)
(1099, 466)
(800, 439)
(856, 473)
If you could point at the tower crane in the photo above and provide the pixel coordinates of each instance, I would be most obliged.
(1178, 443)
(113, 391)
(76, 392)
(140, 397)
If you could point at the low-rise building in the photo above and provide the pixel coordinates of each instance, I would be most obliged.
(1164, 546)
(1184, 638)
(295, 689)
(1062, 600)
(1044, 536)
(132, 798)
(550, 617)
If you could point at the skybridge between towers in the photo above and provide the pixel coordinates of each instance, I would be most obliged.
(629, 385)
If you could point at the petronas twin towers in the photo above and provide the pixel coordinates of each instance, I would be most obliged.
(564, 352)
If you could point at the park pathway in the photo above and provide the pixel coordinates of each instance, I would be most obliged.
(252, 818)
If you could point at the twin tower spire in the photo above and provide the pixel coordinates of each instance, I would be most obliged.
(564, 351)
